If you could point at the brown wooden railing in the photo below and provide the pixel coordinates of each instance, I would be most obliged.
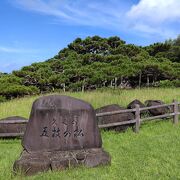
(137, 110)
(137, 121)
(11, 123)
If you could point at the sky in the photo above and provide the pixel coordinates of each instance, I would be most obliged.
(36, 30)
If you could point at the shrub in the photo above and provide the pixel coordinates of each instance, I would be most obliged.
(2, 99)
(13, 90)
(168, 83)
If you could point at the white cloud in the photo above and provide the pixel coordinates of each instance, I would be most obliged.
(146, 18)
(155, 11)
(156, 17)
(81, 12)
(42, 7)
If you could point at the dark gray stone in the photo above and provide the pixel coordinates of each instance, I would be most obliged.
(31, 166)
(60, 123)
(33, 163)
(97, 157)
(16, 127)
(132, 105)
(80, 156)
(156, 111)
(114, 118)
(62, 131)
(62, 164)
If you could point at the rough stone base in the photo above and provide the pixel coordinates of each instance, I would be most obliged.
(32, 163)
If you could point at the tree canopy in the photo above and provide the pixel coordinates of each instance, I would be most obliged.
(96, 62)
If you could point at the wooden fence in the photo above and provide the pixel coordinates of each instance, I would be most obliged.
(137, 110)
(137, 121)
(7, 125)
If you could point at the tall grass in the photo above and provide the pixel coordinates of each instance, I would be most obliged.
(22, 107)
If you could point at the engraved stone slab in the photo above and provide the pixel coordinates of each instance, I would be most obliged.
(62, 132)
(60, 123)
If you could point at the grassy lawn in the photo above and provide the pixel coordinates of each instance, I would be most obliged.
(22, 107)
(151, 154)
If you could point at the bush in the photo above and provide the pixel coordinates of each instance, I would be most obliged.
(177, 83)
(2, 99)
(33, 90)
(13, 90)
(12, 79)
(168, 83)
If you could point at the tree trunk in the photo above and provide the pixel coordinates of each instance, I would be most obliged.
(148, 80)
(115, 82)
(111, 83)
(83, 88)
(121, 79)
(140, 78)
(64, 87)
(83, 85)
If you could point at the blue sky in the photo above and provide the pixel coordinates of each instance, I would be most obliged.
(35, 30)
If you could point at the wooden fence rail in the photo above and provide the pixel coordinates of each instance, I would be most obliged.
(137, 121)
(13, 121)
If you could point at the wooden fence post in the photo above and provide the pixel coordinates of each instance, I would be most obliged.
(137, 117)
(175, 108)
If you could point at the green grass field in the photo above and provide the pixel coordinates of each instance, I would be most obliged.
(154, 153)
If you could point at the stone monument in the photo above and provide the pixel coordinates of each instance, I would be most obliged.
(62, 132)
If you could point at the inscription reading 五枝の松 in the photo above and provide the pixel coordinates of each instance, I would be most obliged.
(69, 127)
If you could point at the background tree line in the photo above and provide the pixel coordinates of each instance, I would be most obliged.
(97, 62)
